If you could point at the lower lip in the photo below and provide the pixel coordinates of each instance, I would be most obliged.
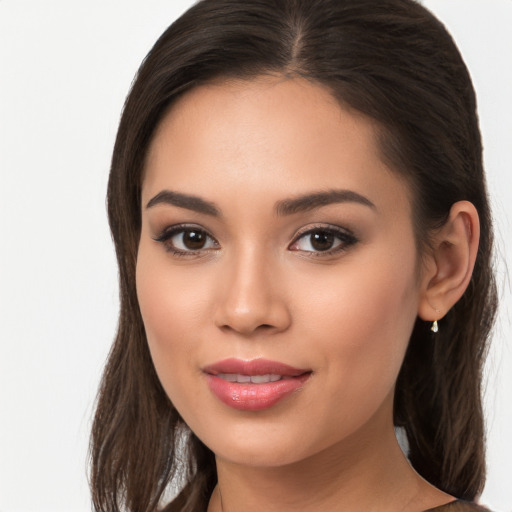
(254, 397)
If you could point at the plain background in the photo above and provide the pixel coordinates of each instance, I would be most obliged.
(65, 68)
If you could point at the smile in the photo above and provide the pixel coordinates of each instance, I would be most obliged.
(253, 385)
(253, 379)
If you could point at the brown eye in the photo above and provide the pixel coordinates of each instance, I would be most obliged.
(328, 240)
(183, 240)
(193, 239)
(321, 241)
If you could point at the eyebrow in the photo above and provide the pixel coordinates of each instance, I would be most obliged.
(184, 201)
(284, 207)
(308, 202)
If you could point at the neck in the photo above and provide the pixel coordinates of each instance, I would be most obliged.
(367, 472)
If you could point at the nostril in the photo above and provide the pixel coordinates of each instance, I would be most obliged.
(259, 328)
(265, 327)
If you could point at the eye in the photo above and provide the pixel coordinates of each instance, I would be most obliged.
(186, 240)
(326, 240)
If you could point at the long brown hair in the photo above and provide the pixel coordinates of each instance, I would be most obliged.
(394, 62)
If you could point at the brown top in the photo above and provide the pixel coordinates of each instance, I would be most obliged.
(453, 506)
(459, 506)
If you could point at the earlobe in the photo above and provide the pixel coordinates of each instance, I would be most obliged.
(450, 264)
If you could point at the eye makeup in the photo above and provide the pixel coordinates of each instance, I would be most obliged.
(323, 240)
(184, 240)
(188, 240)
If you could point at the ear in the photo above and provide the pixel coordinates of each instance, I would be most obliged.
(448, 268)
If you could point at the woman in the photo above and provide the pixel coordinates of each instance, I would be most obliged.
(300, 217)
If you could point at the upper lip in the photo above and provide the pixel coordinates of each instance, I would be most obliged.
(253, 367)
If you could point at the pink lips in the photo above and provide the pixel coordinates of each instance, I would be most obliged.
(223, 380)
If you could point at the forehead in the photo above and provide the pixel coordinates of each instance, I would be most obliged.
(271, 135)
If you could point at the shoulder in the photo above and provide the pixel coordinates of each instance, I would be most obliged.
(459, 506)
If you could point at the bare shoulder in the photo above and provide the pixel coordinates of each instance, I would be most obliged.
(459, 506)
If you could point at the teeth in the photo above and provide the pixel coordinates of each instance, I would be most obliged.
(253, 379)
(260, 379)
(231, 377)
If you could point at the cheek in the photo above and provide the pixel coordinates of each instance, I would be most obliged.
(171, 310)
(171, 296)
(363, 321)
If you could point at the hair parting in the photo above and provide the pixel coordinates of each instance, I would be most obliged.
(390, 60)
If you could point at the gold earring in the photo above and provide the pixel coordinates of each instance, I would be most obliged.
(435, 327)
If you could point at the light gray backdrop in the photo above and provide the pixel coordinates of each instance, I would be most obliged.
(65, 68)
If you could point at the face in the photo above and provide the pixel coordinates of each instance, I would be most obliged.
(277, 269)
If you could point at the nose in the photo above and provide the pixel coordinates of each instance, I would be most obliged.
(252, 299)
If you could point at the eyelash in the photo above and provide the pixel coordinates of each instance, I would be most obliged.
(345, 236)
(346, 239)
(167, 234)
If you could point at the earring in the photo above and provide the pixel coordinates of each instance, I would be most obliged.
(435, 327)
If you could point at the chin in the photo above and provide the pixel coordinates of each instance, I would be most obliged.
(258, 456)
(265, 445)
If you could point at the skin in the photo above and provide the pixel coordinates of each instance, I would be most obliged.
(258, 288)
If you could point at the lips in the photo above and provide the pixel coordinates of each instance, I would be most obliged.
(253, 385)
